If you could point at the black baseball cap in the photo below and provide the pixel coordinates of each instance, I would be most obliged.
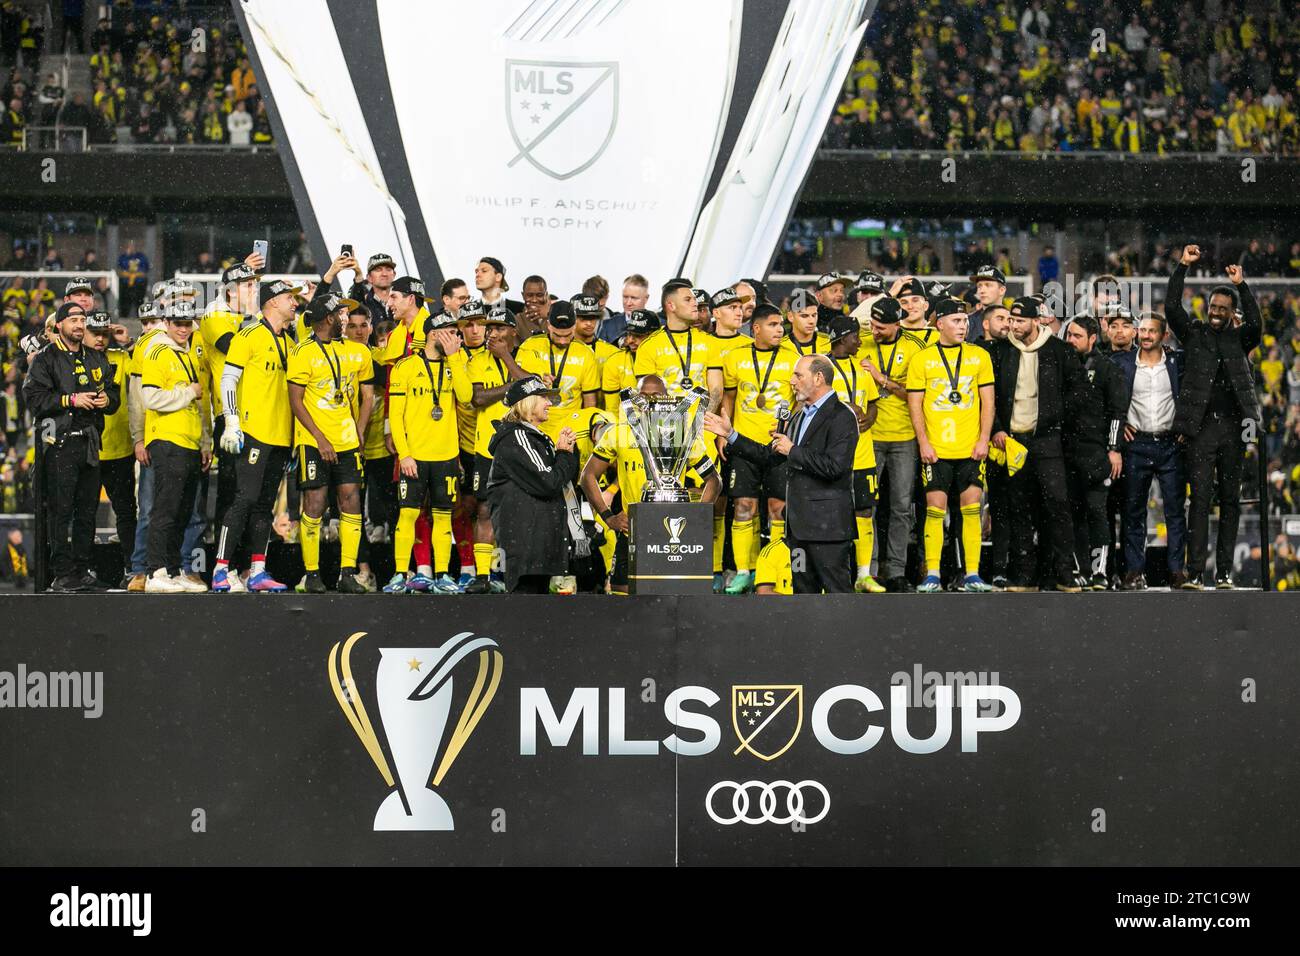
(702, 298)
(869, 281)
(642, 321)
(888, 310)
(410, 285)
(279, 287)
(98, 322)
(472, 309)
(440, 320)
(586, 307)
(500, 315)
(326, 305)
(841, 326)
(380, 259)
(727, 296)
(496, 265)
(239, 272)
(68, 309)
(1026, 305)
(949, 306)
(1119, 313)
(78, 284)
(833, 278)
(525, 387)
(989, 274)
(913, 286)
(561, 316)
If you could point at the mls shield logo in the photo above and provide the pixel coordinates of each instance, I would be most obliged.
(674, 528)
(767, 718)
(561, 115)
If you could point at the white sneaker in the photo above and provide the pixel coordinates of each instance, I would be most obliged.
(236, 582)
(160, 582)
(191, 584)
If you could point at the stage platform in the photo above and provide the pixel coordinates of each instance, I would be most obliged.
(1121, 729)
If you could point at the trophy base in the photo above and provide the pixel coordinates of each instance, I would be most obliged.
(428, 812)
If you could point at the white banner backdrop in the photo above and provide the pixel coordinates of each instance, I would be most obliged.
(565, 137)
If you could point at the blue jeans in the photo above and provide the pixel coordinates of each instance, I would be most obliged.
(193, 530)
(1161, 459)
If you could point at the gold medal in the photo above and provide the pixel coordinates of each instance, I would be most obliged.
(338, 398)
(761, 401)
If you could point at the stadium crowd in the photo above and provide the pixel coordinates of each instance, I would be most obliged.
(981, 416)
(1160, 77)
(180, 78)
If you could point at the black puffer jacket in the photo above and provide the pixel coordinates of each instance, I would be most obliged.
(1060, 384)
(1098, 423)
(1203, 346)
(526, 494)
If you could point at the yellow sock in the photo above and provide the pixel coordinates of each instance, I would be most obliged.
(719, 541)
(349, 539)
(744, 535)
(309, 538)
(441, 540)
(607, 548)
(404, 539)
(865, 542)
(933, 540)
(776, 529)
(483, 559)
(971, 536)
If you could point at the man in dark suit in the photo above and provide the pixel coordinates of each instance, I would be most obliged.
(818, 446)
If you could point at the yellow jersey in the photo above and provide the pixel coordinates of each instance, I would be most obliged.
(405, 339)
(573, 368)
(820, 345)
(926, 335)
(331, 374)
(618, 447)
(616, 375)
(604, 351)
(213, 327)
(952, 423)
(582, 421)
(773, 568)
(373, 440)
(751, 373)
(136, 365)
(487, 370)
(857, 387)
(422, 428)
(723, 344)
(164, 367)
(676, 357)
(893, 421)
(264, 412)
(116, 440)
(466, 413)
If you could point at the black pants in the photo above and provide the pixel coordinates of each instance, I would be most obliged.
(1116, 522)
(176, 476)
(817, 566)
(1092, 535)
(118, 477)
(259, 470)
(1215, 459)
(999, 489)
(533, 584)
(227, 476)
(1040, 503)
(381, 491)
(73, 488)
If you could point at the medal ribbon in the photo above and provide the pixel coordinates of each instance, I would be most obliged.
(336, 370)
(762, 386)
(954, 375)
(690, 344)
(437, 389)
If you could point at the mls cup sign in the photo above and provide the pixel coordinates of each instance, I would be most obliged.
(565, 137)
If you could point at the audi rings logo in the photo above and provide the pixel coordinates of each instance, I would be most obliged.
(770, 796)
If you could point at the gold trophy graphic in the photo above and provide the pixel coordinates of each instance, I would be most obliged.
(414, 688)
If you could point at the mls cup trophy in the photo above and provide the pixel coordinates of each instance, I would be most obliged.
(414, 690)
(665, 430)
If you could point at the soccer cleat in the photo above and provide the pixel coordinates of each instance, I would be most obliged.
(931, 585)
(445, 584)
(465, 580)
(497, 585)
(1224, 583)
(419, 583)
(349, 583)
(719, 582)
(191, 584)
(999, 582)
(396, 584)
(263, 582)
(480, 585)
(977, 584)
(311, 584)
(1098, 582)
(560, 584)
(742, 583)
(160, 582)
(223, 581)
(866, 584)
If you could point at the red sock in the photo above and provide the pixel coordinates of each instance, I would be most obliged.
(423, 532)
(462, 531)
